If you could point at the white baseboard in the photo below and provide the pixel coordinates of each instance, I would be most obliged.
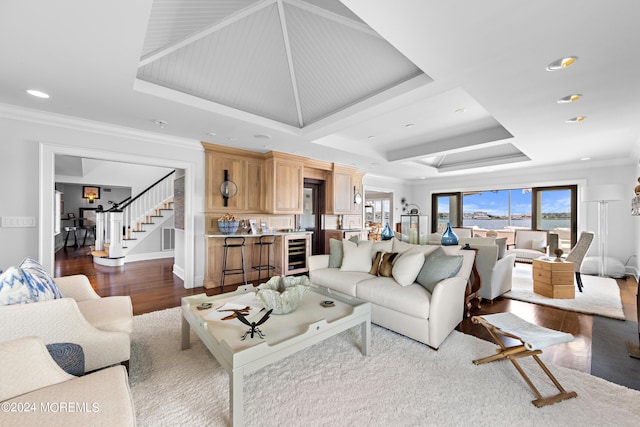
(149, 256)
(178, 271)
(632, 271)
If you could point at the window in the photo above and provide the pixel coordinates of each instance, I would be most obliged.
(543, 208)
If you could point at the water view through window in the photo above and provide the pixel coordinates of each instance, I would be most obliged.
(508, 209)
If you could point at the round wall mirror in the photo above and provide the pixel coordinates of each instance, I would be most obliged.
(228, 189)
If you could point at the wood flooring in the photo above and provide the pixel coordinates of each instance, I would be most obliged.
(152, 286)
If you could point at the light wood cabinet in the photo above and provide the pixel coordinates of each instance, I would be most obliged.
(343, 184)
(284, 184)
(244, 168)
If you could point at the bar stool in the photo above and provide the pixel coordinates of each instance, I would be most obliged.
(75, 235)
(264, 241)
(233, 242)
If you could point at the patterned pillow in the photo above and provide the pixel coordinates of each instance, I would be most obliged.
(43, 287)
(27, 283)
(13, 287)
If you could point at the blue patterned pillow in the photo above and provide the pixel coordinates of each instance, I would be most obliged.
(27, 283)
(13, 287)
(42, 285)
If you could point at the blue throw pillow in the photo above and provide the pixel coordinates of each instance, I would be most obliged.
(437, 267)
(42, 285)
(14, 288)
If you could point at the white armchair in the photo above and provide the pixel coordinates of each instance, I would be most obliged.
(36, 387)
(102, 326)
(529, 245)
(495, 274)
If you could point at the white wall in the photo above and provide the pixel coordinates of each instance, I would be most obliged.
(622, 241)
(399, 189)
(29, 141)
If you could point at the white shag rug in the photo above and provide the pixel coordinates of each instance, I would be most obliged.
(402, 383)
(600, 295)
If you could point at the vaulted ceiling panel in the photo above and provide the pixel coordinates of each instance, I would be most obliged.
(333, 62)
(173, 20)
(242, 65)
(291, 61)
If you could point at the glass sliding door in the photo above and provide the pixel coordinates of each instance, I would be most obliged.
(445, 207)
(555, 210)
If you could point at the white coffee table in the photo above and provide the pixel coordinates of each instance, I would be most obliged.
(284, 334)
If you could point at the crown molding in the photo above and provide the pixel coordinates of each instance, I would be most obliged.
(46, 118)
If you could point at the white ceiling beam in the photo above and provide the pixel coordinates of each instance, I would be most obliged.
(334, 17)
(292, 71)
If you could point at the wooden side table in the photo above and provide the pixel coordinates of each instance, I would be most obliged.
(553, 279)
(473, 286)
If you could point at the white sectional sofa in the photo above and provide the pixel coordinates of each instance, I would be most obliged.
(408, 308)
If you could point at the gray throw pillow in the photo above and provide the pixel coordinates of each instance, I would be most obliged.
(335, 253)
(437, 267)
(502, 246)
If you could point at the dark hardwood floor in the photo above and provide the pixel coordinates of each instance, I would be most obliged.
(152, 286)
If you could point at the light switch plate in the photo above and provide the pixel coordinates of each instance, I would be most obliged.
(18, 221)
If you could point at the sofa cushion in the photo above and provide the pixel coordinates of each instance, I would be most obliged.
(357, 256)
(386, 265)
(342, 281)
(112, 314)
(384, 246)
(437, 267)
(402, 247)
(407, 266)
(376, 263)
(413, 300)
(13, 287)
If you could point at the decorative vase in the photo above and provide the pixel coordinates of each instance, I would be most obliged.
(449, 238)
(282, 294)
(386, 234)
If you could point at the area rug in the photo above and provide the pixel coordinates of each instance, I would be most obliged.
(601, 295)
(402, 383)
(609, 356)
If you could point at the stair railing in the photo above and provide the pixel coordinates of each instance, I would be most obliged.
(141, 208)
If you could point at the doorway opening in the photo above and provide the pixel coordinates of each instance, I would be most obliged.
(313, 209)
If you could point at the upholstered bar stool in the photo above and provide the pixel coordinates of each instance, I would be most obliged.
(233, 243)
(267, 242)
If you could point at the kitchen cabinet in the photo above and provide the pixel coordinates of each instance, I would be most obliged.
(284, 184)
(344, 182)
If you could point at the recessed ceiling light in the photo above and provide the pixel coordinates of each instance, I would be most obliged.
(561, 63)
(409, 125)
(371, 137)
(37, 93)
(231, 138)
(576, 119)
(211, 133)
(585, 158)
(569, 98)
(461, 110)
(160, 123)
(262, 136)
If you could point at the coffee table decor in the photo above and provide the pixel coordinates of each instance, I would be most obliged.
(283, 294)
(253, 325)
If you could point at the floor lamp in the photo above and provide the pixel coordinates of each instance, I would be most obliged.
(603, 194)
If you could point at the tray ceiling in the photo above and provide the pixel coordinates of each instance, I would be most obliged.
(291, 61)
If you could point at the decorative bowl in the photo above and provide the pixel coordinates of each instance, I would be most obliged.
(228, 227)
(283, 301)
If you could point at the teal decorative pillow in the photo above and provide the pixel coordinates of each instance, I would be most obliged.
(437, 267)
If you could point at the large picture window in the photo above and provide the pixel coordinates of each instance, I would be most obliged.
(543, 208)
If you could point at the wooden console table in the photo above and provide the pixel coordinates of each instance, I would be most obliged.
(553, 279)
(473, 285)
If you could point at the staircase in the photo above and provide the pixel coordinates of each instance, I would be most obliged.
(127, 224)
